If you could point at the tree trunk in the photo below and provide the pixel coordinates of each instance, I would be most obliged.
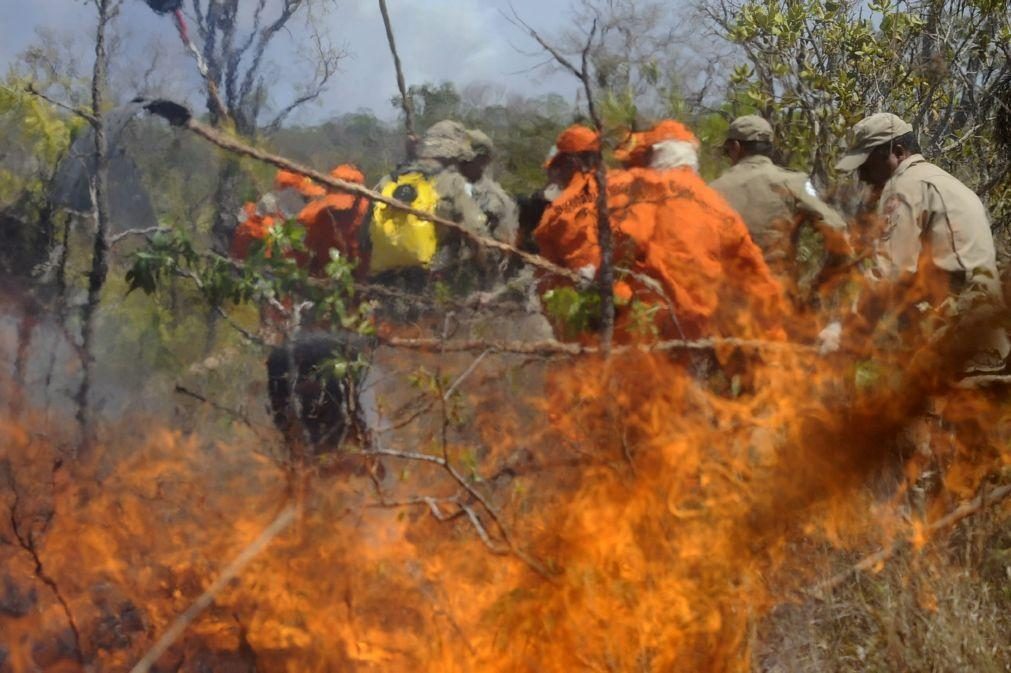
(100, 250)
(606, 262)
(226, 204)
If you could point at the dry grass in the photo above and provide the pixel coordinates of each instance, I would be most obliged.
(944, 609)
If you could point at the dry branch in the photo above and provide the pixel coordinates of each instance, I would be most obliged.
(182, 622)
(405, 99)
(444, 462)
(212, 87)
(146, 232)
(27, 542)
(178, 115)
(550, 347)
(79, 112)
(963, 511)
(232, 413)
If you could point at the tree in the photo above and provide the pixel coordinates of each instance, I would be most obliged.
(37, 138)
(235, 40)
(650, 60)
(815, 68)
(106, 10)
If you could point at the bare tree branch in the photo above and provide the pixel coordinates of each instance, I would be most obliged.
(406, 101)
(327, 60)
(180, 116)
(146, 232)
(266, 35)
(80, 112)
(26, 540)
(281, 522)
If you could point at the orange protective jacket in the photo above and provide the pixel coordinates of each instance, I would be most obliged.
(334, 222)
(671, 228)
(254, 227)
(567, 232)
(331, 221)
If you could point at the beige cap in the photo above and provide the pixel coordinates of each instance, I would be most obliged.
(447, 141)
(868, 133)
(750, 128)
(482, 144)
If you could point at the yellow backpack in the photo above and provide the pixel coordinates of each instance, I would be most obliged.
(400, 239)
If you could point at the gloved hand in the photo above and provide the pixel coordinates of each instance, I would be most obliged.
(587, 276)
(829, 338)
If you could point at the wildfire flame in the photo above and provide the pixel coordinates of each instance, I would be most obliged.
(618, 516)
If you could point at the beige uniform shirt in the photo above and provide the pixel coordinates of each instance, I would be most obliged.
(769, 199)
(923, 204)
(930, 218)
(499, 208)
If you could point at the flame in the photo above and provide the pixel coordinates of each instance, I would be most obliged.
(632, 520)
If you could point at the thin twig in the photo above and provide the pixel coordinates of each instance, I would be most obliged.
(231, 571)
(467, 372)
(482, 532)
(80, 112)
(237, 415)
(409, 455)
(428, 501)
(249, 336)
(26, 541)
(445, 464)
(136, 232)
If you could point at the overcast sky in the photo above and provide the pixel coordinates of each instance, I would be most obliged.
(463, 41)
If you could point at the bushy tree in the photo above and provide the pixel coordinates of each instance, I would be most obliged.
(815, 68)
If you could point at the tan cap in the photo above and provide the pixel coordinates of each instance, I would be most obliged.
(750, 128)
(482, 144)
(868, 133)
(447, 141)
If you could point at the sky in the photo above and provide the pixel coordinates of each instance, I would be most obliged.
(462, 41)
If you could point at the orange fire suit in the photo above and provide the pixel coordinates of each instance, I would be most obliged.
(673, 228)
(567, 232)
(677, 246)
(332, 221)
(254, 227)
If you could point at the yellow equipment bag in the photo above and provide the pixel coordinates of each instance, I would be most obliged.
(398, 238)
